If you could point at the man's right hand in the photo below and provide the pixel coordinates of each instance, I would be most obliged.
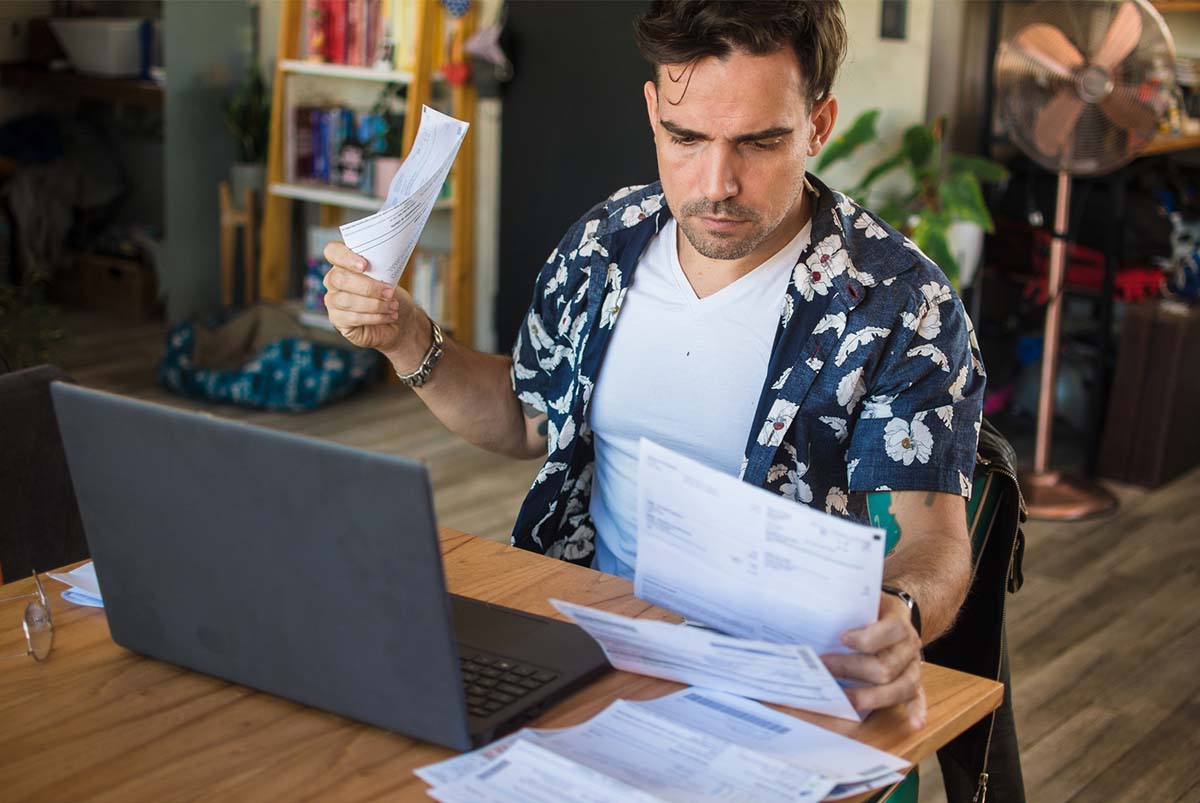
(367, 312)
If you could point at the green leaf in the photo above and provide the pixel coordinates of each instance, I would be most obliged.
(962, 199)
(930, 235)
(881, 169)
(985, 170)
(919, 145)
(860, 132)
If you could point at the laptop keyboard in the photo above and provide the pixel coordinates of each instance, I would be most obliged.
(492, 683)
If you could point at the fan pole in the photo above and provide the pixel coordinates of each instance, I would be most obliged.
(1052, 494)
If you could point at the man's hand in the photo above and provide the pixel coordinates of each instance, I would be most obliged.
(369, 313)
(887, 659)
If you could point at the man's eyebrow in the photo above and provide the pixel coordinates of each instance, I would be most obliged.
(754, 136)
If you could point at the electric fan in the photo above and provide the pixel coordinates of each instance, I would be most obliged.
(1081, 86)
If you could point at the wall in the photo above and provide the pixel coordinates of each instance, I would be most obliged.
(205, 43)
(14, 15)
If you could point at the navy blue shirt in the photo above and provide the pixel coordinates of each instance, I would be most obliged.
(875, 380)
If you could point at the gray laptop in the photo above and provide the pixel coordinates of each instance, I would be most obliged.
(302, 568)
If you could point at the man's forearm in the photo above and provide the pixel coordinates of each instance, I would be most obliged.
(471, 394)
(932, 560)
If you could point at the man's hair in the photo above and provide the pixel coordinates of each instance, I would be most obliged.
(684, 31)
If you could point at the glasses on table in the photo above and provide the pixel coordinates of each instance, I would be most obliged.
(37, 624)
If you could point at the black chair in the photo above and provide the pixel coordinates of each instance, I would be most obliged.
(39, 520)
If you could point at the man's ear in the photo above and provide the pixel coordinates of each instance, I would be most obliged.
(651, 92)
(823, 118)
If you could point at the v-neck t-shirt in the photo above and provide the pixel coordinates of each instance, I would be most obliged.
(683, 371)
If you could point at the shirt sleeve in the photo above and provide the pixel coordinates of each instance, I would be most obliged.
(919, 425)
(540, 355)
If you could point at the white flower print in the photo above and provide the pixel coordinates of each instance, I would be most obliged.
(964, 485)
(906, 441)
(935, 293)
(845, 204)
(556, 281)
(636, 213)
(561, 439)
(815, 364)
(834, 321)
(547, 470)
(853, 464)
(816, 274)
(796, 487)
(927, 322)
(782, 379)
(777, 423)
(869, 227)
(612, 305)
(932, 352)
(851, 388)
(588, 244)
(836, 501)
(533, 399)
(862, 277)
(785, 311)
(621, 193)
(522, 372)
(838, 425)
(946, 413)
(860, 338)
(956, 387)
(889, 282)
(878, 407)
(742, 468)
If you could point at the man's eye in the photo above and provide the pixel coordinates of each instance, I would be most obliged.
(766, 144)
(683, 140)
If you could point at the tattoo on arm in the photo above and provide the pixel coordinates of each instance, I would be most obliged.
(533, 413)
(930, 499)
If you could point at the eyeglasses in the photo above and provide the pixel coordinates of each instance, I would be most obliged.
(37, 624)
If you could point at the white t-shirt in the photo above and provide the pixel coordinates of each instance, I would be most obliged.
(685, 372)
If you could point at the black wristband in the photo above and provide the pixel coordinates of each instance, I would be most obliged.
(914, 610)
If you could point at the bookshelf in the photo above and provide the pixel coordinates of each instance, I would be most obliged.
(277, 264)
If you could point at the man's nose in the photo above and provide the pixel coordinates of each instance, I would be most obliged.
(720, 180)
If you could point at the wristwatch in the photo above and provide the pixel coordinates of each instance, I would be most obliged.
(914, 610)
(420, 376)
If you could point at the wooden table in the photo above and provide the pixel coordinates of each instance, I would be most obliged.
(96, 722)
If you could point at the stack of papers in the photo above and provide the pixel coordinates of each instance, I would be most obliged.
(694, 745)
(84, 587)
(387, 238)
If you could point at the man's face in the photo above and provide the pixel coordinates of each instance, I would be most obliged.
(733, 138)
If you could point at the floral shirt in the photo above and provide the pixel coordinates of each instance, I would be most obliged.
(875, 381)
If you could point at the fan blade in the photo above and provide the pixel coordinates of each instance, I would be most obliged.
(1049, 47)
(1123, 108)
(1056, 122)
(1121, 38)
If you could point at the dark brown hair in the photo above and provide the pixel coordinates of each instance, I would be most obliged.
(684, 31)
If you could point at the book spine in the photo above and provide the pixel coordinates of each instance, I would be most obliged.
(303, 139)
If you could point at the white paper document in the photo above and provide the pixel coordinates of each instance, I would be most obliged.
(84, 587)
(749, 562)
(778, 673)
(387, 238)
(693, 745)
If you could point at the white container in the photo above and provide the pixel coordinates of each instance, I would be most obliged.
(98, 46)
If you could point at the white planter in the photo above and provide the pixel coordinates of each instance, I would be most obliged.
(966, 244)
(97, 46)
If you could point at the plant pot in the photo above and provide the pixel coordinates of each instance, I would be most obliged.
(247, 175)
(385, 169)
(966, 244)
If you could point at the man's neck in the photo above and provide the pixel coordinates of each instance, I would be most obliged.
(708, 276)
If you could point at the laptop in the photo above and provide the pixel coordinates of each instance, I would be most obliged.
(301, 568)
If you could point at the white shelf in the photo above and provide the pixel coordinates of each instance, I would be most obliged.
(342, 198)
(297, 67)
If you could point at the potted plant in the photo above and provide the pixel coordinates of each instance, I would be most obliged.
(248, 117)
(388, 144)
(943, 210)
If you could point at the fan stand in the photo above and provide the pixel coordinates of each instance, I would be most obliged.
(1052, 494)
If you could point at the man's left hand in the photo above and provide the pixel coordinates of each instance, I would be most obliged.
(887, 659)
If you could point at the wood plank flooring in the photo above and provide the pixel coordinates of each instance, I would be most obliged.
(1104, 637)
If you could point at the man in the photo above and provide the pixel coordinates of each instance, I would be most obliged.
(740, 312)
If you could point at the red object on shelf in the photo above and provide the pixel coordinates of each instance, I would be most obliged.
(1085, 268)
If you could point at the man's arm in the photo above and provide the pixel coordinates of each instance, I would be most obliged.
(470, 392)
(932, 562)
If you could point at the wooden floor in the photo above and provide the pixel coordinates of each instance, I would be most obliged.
(1104, 637)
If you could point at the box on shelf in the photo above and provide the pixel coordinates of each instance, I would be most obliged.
(115, 48)
(124, 287)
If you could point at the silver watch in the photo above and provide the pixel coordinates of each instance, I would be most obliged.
(420, 376)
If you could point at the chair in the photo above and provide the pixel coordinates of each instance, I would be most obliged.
(977, 644)
(40, 527)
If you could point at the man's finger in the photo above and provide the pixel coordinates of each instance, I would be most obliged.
(350, 302)
(879, 635)
(878, 669)
(342, 279)
(901, 690)
(339, 254)
(348, 319)
(918, 709)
